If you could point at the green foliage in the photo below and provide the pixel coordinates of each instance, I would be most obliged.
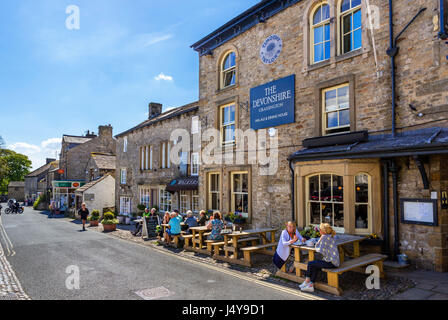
(95, 216)
(310, 232)
(13, 167)
(109, 218)
(141, 207)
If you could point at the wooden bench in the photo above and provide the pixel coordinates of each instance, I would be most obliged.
(261, 247)
(354, 265)
(187, 239)
(220, 244)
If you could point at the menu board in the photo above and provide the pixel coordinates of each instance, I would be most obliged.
(419, 211)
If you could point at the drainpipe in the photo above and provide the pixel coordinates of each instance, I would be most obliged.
(394, 171)
(442, 34)
(292, 190)
(392, 52)
(386, 244)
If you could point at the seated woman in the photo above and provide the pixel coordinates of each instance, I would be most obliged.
(166, 220)
(202, 218)
(173, 228)
(216, 225)
(329, 250)
(289, 236)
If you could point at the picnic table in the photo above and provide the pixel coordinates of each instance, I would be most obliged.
(166, 225)
(342, 241)
(236, 241)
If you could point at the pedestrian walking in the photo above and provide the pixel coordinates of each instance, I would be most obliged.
(84, 213)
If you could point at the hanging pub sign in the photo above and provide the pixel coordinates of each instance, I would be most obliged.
(273, 104)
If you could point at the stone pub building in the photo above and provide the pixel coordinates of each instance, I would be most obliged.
(356, 93)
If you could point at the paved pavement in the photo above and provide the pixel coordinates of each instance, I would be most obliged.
(430, 286)
(110, 268)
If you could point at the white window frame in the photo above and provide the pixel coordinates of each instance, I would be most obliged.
(125, 206)
(341, 16)
(195, 201)
(325, 129)
(165, 200)
(123, 175)
(195, 125)
(125, 144)
(145, 196)
(224, 72)
(195, 164)
(233, 192)
(184, 200)
(313, 26)
(210, 192)
(223, 126)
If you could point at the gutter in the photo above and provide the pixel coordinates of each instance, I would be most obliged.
(443, 33)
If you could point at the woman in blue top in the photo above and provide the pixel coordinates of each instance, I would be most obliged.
(216, 225)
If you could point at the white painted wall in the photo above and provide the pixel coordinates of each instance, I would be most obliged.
(104, 192)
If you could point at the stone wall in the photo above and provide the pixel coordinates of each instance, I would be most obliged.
(78, 157)
(421, 81)
(152, 135)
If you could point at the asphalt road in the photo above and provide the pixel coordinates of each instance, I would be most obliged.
(111, 268)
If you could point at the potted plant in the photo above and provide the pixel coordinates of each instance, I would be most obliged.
(310, 232)
(94, 218)
(109, 222)
(239, 219)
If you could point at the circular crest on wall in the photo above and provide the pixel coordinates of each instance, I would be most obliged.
(271, 49)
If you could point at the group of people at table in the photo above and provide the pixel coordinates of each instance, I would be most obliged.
(326, 244)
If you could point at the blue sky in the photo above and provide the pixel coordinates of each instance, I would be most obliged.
(56, 81)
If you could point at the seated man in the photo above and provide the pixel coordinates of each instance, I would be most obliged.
(191, 221)
(139, 225)
(173, 229)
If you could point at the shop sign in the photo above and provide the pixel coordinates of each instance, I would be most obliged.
(68, 184)
(273, 104)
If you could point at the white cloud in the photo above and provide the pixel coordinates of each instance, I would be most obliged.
(49, 148)
(52, 144)
(163, 77)
(25, 148)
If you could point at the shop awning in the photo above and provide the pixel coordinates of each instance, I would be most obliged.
(183, 183)
(409, 143)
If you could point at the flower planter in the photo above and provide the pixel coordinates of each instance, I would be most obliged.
(94, 223)
(109, 227)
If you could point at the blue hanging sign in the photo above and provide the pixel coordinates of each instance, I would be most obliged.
(273, 104)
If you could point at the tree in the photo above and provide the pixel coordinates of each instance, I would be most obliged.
(13, 167)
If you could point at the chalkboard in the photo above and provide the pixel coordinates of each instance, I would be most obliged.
(151, 225)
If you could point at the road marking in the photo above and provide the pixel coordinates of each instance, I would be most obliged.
(7, 271)
(6, 239)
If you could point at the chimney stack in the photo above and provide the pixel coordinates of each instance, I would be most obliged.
(155, 109)
(105, 131)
